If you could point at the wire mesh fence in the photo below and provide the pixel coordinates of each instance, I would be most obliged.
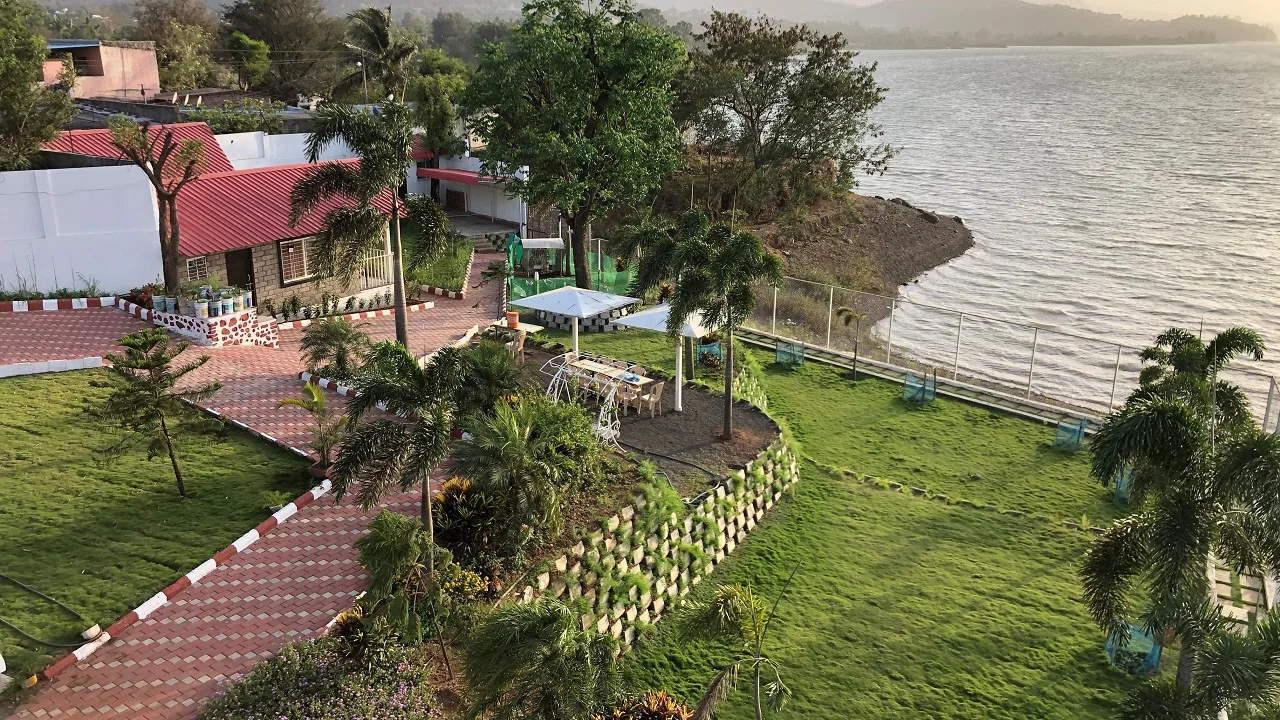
(1069, 370)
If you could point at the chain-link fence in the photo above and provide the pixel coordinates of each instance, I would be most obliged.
(1069, 370)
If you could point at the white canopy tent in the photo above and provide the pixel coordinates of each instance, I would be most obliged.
(655, 318)
(575, 303)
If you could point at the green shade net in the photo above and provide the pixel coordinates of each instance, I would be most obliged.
(919, 389)
(603, 270)
(1070, 436)
(786, 353)
(1139, 656)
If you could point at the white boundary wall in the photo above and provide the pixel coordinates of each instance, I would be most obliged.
(258, 150)
(61, 228)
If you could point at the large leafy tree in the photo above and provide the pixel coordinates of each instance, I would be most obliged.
(382, 453)
(304, 43)
(145, 402)
(379, 53)
(383, 141)
(775, 102)
(250, 58)
(434, 93)
(155, 20)
(712, 266)
(1206, 482)
(170, 164)
(532, 661)
(29, 113)
(186, 59)
(581, 95)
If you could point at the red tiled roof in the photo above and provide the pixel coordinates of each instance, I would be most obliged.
(243, 208)
(463, 176)
(98, 143)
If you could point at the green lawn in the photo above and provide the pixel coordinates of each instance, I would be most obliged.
(102, 540)
(448, 270)
(906, 608)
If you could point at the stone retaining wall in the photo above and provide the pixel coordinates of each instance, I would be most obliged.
(626, 575)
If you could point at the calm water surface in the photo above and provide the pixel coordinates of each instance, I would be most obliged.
(1114, 192)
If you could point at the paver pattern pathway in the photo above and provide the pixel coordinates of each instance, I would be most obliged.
(64, 334)
(285, 587)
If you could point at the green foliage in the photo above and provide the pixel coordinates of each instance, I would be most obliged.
(333, 348)
(322, 680)
(661, 498)
(186, 59)
(535, 452)
(300, 34)
(444, 267)
(581, 96)
(465, 39)
(329, 428)
(379, 52)
(471, 524)
(786, 107)
(250, 58)
(490, 375)
(242, 115)
(428, 235)
(434, 93)
(30, 114)
(650, 706)
(533, 661)
(145, 403)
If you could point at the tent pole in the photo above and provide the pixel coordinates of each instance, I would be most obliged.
(679, 372)
(575, 335)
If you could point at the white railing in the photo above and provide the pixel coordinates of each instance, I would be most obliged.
(1070, 370)
(375, 271)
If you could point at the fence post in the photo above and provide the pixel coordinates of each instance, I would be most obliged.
(773, 324)
(888, 353)
(1035, 341)
(955, 368)
(1271, 395)
(831, 308)
(1115, 377)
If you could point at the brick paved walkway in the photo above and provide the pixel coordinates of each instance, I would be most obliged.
(285, 587)
(64, 334)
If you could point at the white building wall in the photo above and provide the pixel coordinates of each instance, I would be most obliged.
(63, 228)
(257, 149)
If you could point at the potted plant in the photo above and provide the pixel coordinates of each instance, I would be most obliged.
(228, 302)
(199, 307)
(328, 430)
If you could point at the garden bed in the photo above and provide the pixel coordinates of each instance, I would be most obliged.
(104, 539)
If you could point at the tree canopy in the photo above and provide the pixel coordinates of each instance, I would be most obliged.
(582, 97)
(302, 38)
(775, 105)
(29, 113)
(251, 59)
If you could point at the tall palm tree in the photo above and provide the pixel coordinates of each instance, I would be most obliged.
(737, 615)
(379, 52)
(533, 661)
(1207, 484)
(383, 453)
(334, 345)
(713, 268)
(383, 140)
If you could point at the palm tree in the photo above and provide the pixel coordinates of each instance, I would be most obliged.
(491, 375)
(384, 453)
(145, 402)
(378, 51)
(533, 660)
(713, 268)
(506, 454)
(1207, 484)
(384, 142)
(335, 346)
(737, 615)
(853, 317)
(328, 430)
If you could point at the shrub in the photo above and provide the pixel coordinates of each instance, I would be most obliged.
(661, 498)
(490, 376)
(469, 522)
(653, 705)
(318, 680)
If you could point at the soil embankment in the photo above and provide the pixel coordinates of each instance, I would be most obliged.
(865, 243)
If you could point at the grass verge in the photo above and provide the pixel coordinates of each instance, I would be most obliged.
(905, 608)
(448, 270)
(104, 539)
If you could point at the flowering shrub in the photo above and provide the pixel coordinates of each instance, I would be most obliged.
(316, 680)
(141, 296)
(650, 706)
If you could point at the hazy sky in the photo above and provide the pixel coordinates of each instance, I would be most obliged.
(1267, 11)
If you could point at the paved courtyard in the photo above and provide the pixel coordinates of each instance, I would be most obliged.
(285, 587)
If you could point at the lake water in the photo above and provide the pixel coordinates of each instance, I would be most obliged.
(1114, 192)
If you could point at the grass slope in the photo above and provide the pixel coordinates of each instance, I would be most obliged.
(102, 540)
(906, 608)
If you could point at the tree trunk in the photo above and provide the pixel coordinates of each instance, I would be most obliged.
(755, 691)
(397, 274)
(173, 459)
(434, 162)
(168, 212)
(578, 230)
(428, 522)
(728, 384)
(1186, 664)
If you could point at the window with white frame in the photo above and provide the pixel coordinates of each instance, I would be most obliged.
(295, 261)
(197, 269)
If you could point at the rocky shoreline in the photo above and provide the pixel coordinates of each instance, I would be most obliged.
(866, 243)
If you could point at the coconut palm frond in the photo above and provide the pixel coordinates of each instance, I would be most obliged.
(1232, 343)
(1161, 431)
(323, 182)
(336, 344)
(349, 233)
(372, 457)
(721, 686)
(1110, 566)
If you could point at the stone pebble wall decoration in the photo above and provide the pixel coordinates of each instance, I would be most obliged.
(626, 575)
(242, 328)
